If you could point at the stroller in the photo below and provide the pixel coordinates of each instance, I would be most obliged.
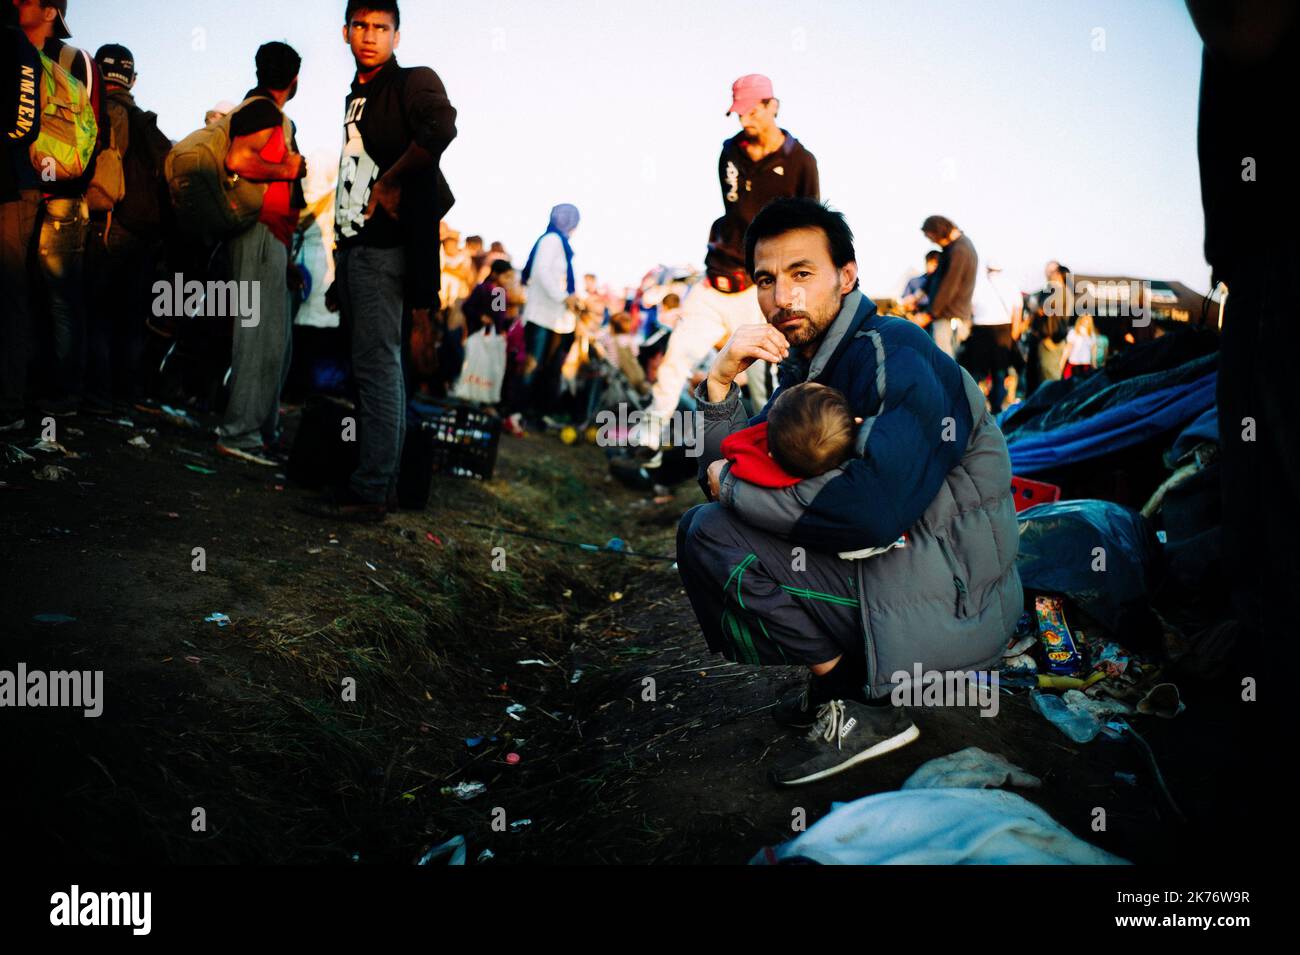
(615, 378)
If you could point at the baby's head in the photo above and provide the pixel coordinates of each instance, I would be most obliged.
(810, 430)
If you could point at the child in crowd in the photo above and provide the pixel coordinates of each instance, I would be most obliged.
(457, 270)
(619, 346)
(810, 430)
(670, 310)
(1079, 357)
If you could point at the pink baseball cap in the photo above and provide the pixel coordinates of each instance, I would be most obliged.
(748, 91)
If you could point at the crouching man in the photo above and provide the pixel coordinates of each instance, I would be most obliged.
(903, 555)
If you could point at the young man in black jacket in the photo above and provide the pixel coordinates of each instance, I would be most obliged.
(391, 196)
(761, 163)
(19, 203)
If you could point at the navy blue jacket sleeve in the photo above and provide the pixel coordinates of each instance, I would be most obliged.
(918, 435)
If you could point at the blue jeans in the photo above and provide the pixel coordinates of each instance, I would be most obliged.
(370, 285)
(120, 267)
(62, 256)
(549, 350)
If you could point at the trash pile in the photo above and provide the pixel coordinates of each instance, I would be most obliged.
(1093, 635)
(1123, 569)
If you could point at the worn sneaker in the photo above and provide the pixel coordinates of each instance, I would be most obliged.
(845, 733)
(246, 455)
(797, 708)
(277, 452)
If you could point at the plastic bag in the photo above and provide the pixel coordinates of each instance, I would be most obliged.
(1097, 553)
(484, 371)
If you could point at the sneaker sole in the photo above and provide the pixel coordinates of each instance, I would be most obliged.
(244, 456)
(908, 735)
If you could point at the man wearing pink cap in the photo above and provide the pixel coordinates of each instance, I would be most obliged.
(761, 163)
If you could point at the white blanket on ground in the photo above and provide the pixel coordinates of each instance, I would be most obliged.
(939, 827)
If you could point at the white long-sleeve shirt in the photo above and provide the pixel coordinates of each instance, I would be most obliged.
(548, 287)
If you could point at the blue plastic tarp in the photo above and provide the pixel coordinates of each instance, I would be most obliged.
(1145, 417)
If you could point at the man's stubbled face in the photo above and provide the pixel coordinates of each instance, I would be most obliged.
(799, 288)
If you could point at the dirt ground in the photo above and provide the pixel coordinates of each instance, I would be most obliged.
(250, 722)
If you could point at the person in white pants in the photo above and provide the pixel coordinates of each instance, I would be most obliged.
(708, 318)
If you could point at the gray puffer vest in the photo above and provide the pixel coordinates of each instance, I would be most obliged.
(950, 599)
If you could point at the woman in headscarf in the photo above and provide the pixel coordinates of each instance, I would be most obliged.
(549, 314)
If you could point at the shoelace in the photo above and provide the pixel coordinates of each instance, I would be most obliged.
(830, 718)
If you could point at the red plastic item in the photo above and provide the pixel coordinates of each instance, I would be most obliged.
(1031, 493)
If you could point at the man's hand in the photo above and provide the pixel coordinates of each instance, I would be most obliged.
(715, 478)
(751, 343)
(923, 319)
(332, 298)
(387, 194)
(302, 166)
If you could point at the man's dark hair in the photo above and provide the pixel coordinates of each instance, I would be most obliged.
(501, 267)
(938, 225)
(375, 6)
(785, 215)
(934, 255)
(277, 65)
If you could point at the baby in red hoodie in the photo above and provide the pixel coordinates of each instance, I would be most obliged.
(810, 430)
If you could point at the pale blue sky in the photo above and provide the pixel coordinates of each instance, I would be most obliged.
(1003, 115)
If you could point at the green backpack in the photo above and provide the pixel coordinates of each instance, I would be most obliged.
(212, 203)
(66, 145)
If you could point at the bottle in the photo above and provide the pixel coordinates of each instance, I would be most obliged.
(1080, 725)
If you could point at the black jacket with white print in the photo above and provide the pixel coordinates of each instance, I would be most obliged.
(747, 186)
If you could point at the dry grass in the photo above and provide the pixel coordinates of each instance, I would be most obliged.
(428, 635)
